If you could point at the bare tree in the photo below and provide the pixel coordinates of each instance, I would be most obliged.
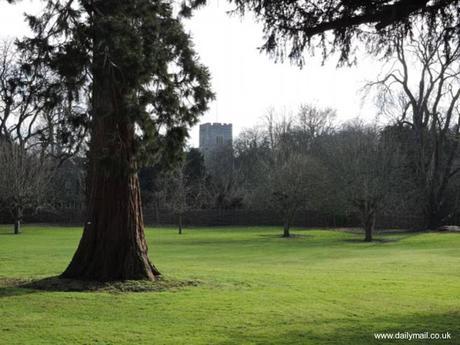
(298, 131)
(427, 103)
(178, 194)
(364, 163)
(196, 178)
(24, 178)
(252, 154)
(277, 166)
(225, 185)
(296, 183)
(312, 122)
(27, 135)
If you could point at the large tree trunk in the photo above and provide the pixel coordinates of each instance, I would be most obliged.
(113, 245)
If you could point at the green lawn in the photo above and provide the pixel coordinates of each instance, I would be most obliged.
(323, 287)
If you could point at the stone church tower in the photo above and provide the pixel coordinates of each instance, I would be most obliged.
(214, 136)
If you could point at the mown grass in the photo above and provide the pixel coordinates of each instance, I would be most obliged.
(322, 287)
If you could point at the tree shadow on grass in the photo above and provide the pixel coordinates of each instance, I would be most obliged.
(10, 287)
(382, 237)
(257, 239)
(360, 332)
(280, 236)
(17, 287)
(374, 241)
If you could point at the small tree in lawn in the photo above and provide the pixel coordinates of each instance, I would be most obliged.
(153, 188)
(365, 166)
(295, 182)
(29, 132)
(196, 178)
(225, 186)
(178, 194)
(24, 179)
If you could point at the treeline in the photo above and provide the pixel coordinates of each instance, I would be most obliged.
(407, 167)
(308, 162)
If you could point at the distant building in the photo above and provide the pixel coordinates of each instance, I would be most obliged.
(214, 136)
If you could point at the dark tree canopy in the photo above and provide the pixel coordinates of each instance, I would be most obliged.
(144, 49)
(293, 26)
(194, 168)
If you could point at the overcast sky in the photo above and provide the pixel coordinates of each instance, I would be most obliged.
(247, 82)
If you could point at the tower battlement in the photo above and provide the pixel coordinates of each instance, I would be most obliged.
(215, 135)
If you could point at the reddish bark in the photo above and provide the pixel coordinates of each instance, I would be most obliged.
(113, 246)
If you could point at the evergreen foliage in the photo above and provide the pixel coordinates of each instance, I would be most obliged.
(156, 79)
(293, 27)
